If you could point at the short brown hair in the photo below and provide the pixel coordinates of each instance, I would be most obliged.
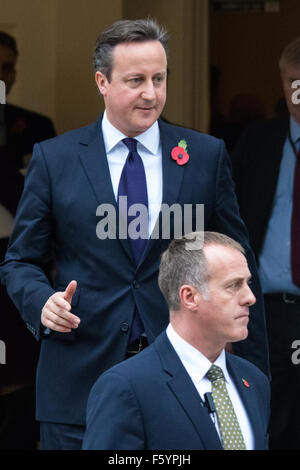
(184, 262)
(290, 54)
(125, 31)
(8, 41)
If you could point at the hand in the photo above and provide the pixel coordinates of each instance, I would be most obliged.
(56, 313)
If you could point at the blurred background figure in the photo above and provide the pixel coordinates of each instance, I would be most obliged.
(244, 108)
(19, 130)
(266, 164)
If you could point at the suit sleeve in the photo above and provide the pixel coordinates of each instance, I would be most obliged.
(227, 220)
(114, 420)
(31, 246)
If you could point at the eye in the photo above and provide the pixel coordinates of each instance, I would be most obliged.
(234, 286)
(158, 79)
(135, 81)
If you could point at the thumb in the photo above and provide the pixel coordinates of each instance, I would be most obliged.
(70, 291)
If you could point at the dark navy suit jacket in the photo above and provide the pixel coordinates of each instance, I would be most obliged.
(68, 178)
(256, 166)
(150, 402)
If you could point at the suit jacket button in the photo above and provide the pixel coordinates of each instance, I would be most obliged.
(124, 327)
(135, 284)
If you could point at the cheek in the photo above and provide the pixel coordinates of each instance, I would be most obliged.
(162, 95)
(288, 91)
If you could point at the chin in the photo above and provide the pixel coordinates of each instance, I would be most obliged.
(243, 335)
(240, 335)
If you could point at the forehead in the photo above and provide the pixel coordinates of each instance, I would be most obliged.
(136, 55)
(290, 70)
(225, 262)
(7, 55)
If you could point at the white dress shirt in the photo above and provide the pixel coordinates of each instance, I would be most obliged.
(197, 365)
(149, 149)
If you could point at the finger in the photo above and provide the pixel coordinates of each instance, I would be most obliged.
(70, 291)
(58, 300)
(50, 316)
(54, 327)
(58, 309)
(62, 318)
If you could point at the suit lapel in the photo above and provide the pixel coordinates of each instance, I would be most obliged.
(94, 161)
(185, 392)
(92, 156)
(249, 399)
(172, 175)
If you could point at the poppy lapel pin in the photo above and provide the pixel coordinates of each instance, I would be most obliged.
(245, 383)
(179, 153)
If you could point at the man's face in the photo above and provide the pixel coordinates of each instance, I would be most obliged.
(8, 61)
(289, 74)
(225, 311)
(136, 94)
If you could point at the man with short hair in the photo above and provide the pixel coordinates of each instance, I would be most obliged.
(266, 172)
(73, 211)
(20, 129)
(157, 399)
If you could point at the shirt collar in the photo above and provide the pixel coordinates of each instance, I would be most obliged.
(294, 129)
(150, 139)
(196, 364)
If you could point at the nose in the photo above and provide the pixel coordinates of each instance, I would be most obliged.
(248, 296)
(148, 92)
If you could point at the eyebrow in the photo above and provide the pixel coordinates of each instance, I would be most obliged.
(238, 279)
(139, 74)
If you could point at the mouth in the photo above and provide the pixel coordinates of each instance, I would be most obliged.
(145, 109)
(243, 315)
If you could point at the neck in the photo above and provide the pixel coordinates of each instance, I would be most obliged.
(211, 349)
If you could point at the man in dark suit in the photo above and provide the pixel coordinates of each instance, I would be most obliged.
(156, 400)
(20, 129)
(72, 211)
(265, 171)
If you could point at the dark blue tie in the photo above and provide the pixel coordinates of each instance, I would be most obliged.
(133, 185)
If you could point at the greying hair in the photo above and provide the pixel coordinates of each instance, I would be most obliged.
(290, 54)
(125, 31)
(184, 262)
(8, 41)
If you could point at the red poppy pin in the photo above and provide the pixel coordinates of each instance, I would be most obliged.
(18, 126)
(245, 383)
(179, 153)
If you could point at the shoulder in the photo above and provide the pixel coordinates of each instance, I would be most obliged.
(22, 113)
(193, 137)
(138, 372)
(267, 127)
(247, 370)
(67, 143)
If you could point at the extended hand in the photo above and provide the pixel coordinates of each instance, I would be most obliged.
(56, 313)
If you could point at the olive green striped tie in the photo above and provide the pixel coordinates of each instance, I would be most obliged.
(231, 433)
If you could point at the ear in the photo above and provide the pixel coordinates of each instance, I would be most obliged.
(101, 82)
(189, 297)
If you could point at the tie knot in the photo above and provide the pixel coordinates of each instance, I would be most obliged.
(131, 144)
(215, 373)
